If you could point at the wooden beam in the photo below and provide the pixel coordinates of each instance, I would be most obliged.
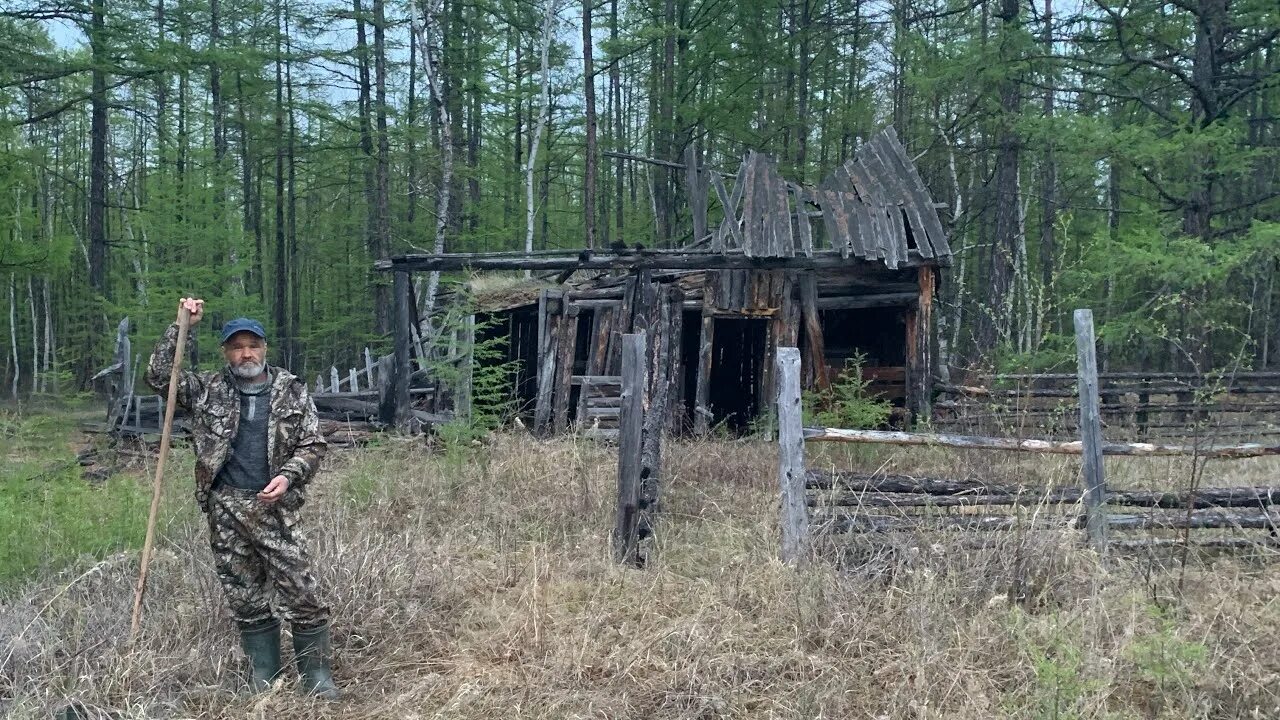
(861, 488)
(844, 521)
(1052, 447)
(626, 260)
(860, 302)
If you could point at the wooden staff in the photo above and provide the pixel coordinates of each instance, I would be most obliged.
(166, 435)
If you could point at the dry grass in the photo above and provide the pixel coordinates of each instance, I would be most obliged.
(481, 586)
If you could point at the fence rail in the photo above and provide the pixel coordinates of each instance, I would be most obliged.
(1132, 405)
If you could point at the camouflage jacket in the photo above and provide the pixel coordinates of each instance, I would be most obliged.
(294, 443)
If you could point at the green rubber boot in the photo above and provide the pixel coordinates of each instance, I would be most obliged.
(262, 644)
(313, 652)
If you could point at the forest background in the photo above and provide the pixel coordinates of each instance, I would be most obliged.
(1119, 155)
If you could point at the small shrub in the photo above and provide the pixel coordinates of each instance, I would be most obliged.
(847, 403)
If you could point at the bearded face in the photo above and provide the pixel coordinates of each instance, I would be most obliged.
(246, 355)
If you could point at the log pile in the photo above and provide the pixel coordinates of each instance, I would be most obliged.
(841, 502)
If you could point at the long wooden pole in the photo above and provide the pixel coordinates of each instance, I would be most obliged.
(166, 435)
(1054, 447)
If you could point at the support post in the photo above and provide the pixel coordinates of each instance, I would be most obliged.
(546, 382)
(923, 410)
(814, 339)
(564, 365)
(1091, 431)
(702, 389)
(630, 427)
(791, 470)
(400, 388)
(463, 411)
(386, 390)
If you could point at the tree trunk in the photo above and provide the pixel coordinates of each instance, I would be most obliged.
(280, 279)
(411, 135)
(1048, 169)
(994, 324)
(291, 222)
(517, 164)
(35, 338)
(215, 88)
(13, 337)
(250, 215)
(426, 30)
(365, 110)
(548, 21)
(97, 219)
(619, 137)
(382, 171)
(589, 93)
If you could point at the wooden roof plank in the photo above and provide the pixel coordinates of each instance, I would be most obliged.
(830, 211)
(886, 239)
(840, 212)
(748, 181)
(802, 221)
(933, 224)
(730, 225)
(911, 200)
(868, 241)
(782, 219)
(889, 175)
(857, 234)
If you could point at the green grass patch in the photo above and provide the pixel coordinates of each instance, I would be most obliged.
(51, 516)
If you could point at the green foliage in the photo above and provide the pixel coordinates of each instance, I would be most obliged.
(491, 374)
(49, 515)
(1062, 681)
(847, 403)
(1167, 661)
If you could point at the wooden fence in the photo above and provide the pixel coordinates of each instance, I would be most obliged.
(847, 502)
(1132, 405)
(365, 396)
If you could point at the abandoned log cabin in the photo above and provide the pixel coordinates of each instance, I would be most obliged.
(849, 267)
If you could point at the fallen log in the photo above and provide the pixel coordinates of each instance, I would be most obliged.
(840, 521)
(1056, 447)
(906, 491)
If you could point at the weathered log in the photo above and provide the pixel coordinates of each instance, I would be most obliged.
(1226, 543)
(1056, 447)
(1191, 377)
(838, 521)
(628, 260)
(977, 391)
(859, 302)
(1203, 498)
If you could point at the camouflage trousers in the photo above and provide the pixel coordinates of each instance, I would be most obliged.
(260, 551)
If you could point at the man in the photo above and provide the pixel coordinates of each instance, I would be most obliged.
(257, 442)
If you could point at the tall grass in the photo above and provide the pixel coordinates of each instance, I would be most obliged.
(478, 583)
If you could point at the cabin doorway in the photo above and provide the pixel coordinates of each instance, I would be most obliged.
(737, 371)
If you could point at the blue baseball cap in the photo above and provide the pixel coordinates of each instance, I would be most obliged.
(242, 325)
